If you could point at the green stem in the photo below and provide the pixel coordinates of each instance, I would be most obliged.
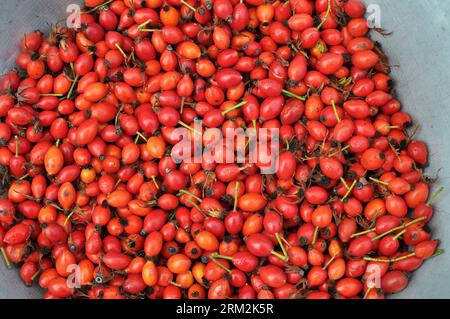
(292, 95)
(150, 30)
(175, 284)
(68, 217)
(172, 216)
(349, 191)
(72, 87)
(23, 177)
(380, 260)
(154, 181)
(234, 107)
(375, 180)
(57, 207)
(35, 275)
(194, 204)
(345, 81)
(285, 241)
(188, 5)
(437, 253)
(340, 151)
(142, 25)
(293, 47)
(182, 191)
(16, 141)
(283, 249)
(212, 256)
(52, 94)
(121, 51)
(316, 232)
(326, 15)
(116, 119)
(236, 191)
(247, 143)
(389, 127)
(330, 261)
(222, 257)
(363, 232)
(189, 128)
(435, 196)
(399, 234)
(335, 111)
(256, 132)
(99, 6)
(284, 258)
(401, 227)
(139, 134)
(345, 183)
(367, 293)
(5, 258)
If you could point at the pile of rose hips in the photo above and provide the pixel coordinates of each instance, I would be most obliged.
(94, 206)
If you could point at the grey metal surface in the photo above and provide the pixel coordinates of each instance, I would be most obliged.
(420, 45)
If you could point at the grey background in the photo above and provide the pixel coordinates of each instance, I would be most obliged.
(420, 44)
